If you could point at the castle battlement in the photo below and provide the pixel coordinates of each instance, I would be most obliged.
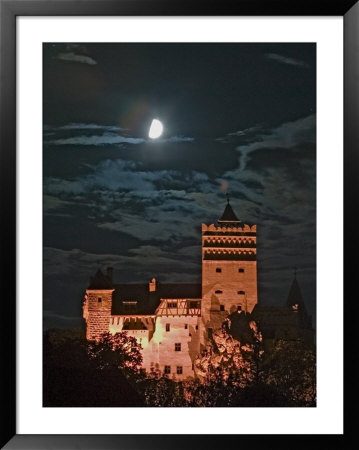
(226, 229)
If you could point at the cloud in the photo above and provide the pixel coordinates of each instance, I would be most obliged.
(109, 137)
(111, 175)
(285, 60)
(97, 140)
(118, 177)
(142, 263)
(178, 139)
(286, 136)
(74, 57)
(50, 202)
(240, 133)
(83, 126)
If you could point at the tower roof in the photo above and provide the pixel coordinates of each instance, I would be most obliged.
(295, 296)
(228, 214)
(100, 281)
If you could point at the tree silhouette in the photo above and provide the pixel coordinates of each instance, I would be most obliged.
(81, 373)
(118, 351)
(291, 369)
(233, 371)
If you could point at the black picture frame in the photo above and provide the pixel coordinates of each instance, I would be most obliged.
(9, 10)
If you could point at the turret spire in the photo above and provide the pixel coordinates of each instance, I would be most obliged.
(228, 217)
(295, 298)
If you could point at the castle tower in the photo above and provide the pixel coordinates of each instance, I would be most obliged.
(97, 305)
(299, 323)
(229, 270)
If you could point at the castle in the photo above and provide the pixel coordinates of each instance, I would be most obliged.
(174, 322)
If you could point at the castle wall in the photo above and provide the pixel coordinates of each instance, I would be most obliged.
(159, 345)
(183, 330)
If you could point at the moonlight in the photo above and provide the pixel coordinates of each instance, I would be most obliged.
(156, 129)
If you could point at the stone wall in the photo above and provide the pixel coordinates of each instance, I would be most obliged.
(97, 312)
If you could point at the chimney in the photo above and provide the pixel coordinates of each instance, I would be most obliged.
(109, 273)
(152, 285)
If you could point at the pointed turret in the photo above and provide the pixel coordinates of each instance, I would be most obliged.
(101, 281)
(228, 216)
(295, 299)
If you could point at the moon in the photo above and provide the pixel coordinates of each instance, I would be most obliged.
(156, 129)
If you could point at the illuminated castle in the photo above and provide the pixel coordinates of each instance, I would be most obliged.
(173, 322)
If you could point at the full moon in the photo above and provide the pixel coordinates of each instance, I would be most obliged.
(156, 129)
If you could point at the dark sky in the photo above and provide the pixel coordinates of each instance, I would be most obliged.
(236, 117)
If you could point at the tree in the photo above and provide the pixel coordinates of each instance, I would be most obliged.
(160, 390)
(81, 373)
(228, 365)
(118, 351)
(233, 355)
(291, 369)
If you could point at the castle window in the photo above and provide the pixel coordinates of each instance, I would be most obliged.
(179, 370)
(172, 305)
(167, 370)
(241, 292)
(99, 299)
(218, 269)
(167, 327)
(221, 307)
(178, 347)
(239, 308)
(240, 270)
(185, 326)
(218, 291)
(196, 327)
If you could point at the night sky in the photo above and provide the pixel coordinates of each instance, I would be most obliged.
(238, 118)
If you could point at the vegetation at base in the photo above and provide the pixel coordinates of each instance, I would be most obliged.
(236, 370)
(81, 373)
